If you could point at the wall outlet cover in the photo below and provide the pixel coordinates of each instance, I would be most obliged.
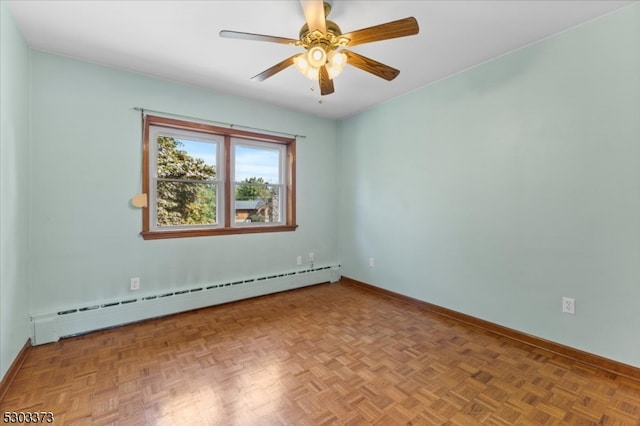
(135, 284)
(569, 305)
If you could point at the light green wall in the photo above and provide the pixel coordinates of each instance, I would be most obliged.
(497, 191)
(86, 165)
(15, 327)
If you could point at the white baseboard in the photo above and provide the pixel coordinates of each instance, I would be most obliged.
(51, 327)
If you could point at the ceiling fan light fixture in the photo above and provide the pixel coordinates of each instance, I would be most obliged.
(335, 63)
(337, 59)
(310, 62)
(317, 56)
(312, 73)
(332, 71)
(301, 63)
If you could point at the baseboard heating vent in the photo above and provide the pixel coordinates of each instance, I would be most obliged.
(74, 321)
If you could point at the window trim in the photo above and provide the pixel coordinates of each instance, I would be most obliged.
(226, 228)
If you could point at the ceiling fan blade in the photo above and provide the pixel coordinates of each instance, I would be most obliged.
(274, 69)
(400, 28)
(314, 15)
(326, 84)
(369, 65)
(257, 37)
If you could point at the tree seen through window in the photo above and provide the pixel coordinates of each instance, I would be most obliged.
(186, 188)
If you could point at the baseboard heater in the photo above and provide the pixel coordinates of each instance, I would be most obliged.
(51, 327)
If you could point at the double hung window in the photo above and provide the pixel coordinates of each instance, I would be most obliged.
(209, 180)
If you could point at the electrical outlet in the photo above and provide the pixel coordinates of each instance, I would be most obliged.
(135, 284)
(312, 257)
(299, 260)
(372, 262)
(569, 305)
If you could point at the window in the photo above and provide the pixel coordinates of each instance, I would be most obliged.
(207, 180)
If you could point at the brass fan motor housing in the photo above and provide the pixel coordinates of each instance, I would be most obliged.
(332, 28)
(329, 41)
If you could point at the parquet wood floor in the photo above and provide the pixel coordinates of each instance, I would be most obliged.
(327, 354)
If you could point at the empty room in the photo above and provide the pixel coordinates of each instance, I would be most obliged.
(316, 213)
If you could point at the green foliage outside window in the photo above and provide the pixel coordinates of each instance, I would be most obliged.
(185, 195)
(255, 188)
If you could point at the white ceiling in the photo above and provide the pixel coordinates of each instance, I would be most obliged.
(178, 40)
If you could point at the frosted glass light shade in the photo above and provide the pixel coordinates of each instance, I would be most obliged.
(316, 56)
(335, 63)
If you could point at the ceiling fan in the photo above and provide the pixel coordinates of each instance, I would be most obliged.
(324, 42)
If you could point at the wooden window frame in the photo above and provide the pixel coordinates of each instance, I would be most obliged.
(227, 227)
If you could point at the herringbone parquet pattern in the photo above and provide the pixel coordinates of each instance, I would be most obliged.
(328, 354)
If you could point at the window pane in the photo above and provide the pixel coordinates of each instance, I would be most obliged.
(261, 165)
(180, 158)
(186, 203)
(257, 203)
